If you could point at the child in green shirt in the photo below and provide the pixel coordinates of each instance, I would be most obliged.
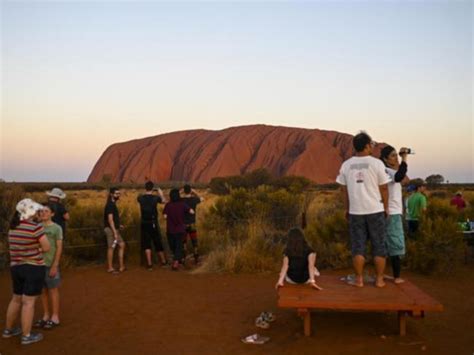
(54, 233)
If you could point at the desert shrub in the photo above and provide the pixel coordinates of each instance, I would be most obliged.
(280, 208)
(438, 246)
(245, 230)
(256, 178)
(439, 194)
(292, 183)
(258, 252)
(328, 234)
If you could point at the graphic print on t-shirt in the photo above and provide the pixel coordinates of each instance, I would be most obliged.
(360, 174)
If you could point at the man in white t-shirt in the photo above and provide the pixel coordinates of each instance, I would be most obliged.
(364, 184)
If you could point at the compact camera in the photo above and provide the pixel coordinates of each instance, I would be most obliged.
(407, 151)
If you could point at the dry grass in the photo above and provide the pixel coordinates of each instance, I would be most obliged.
(249, 247)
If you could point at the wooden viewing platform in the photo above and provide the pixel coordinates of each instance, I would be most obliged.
(405, 298)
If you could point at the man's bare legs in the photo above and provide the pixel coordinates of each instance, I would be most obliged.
(110, 259)
(148, 257)
(379, 269)
(121, 254)
(161, 256)
(358, 261)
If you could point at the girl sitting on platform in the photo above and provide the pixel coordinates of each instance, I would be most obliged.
(299, 261)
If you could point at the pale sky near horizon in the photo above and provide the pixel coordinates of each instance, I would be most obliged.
(79, 76)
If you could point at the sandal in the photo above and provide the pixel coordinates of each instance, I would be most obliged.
(268, 316)
(40, 323)
(262, 323)
(50, 325)
(255, 339)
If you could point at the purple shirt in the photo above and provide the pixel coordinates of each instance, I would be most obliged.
(175, 212)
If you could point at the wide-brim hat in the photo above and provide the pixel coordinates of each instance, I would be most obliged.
(27, 208)
(56, 192)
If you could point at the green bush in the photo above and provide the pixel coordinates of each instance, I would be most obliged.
(256, 178)
(329, 237)
(438, 246)
(279, 208)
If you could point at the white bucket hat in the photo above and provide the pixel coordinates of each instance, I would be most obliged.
(27, 208)
(56, 192)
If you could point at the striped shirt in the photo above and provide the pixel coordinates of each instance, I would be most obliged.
(24, 244)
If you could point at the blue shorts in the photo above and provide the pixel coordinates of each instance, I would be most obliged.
(52, 282)
(395, 236)
(368, 226)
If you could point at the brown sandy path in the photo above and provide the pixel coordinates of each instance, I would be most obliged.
(165, 312)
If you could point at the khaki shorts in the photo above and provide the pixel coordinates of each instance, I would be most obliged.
(109, 233)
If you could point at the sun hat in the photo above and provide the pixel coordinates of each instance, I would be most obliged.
(459, 193)
(27, 208)
(56, 192)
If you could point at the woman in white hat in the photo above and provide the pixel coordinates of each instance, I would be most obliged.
(27, 242)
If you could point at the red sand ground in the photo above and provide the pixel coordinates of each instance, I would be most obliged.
(164, 312)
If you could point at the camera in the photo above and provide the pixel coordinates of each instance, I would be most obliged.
(406, 151)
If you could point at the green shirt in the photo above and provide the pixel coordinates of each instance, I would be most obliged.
(53, 232)
(416, 204)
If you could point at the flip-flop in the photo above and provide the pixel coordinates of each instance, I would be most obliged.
(268, 316)
(40, 323)
(50, 325)
(255, 339)
(262, 323)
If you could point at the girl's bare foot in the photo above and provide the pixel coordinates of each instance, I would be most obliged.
(399, 280)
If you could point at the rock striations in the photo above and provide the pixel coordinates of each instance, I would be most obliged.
(200, 155)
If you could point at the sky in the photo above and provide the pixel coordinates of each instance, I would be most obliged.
(77, 76)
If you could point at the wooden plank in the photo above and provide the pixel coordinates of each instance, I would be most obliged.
(402, 323)
(420, 298)
(339, 296)
(306, 315)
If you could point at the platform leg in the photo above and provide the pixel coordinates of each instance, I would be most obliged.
(306, 315)
(402, 323)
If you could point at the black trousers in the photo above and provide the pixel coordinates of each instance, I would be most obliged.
(396, 265)
(413, 226)
(175, 241)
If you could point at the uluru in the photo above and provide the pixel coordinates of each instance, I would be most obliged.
(199, 155)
